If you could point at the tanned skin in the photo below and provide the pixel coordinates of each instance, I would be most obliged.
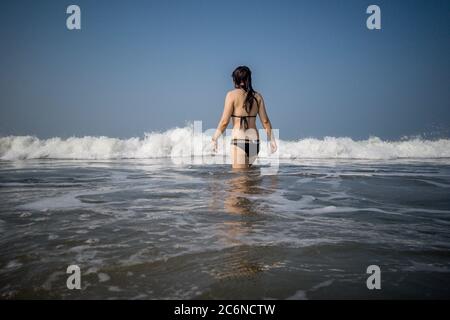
(234, 102)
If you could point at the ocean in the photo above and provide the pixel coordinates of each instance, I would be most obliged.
(141, 222)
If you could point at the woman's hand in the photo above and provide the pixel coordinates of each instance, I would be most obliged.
(273, 146)
(214, 145)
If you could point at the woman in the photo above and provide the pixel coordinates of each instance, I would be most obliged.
(243, 104)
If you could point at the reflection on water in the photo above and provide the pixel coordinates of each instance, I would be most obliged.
(242, 199)
(239, 190)
(244, 190)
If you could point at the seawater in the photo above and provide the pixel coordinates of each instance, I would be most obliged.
(152, 229)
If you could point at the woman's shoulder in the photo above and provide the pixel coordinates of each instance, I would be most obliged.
(240, 91)
(234, 92)
(238, 94)
(258, 95)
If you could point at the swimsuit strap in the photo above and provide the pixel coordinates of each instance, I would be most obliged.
(243, 120)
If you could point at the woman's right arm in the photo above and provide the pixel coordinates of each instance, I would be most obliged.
(266, 124)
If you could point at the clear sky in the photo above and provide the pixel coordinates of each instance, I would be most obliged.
(142, 66)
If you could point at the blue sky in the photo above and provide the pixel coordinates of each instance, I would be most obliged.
(142, 66)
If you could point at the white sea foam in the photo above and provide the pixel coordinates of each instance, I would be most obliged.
(180, 142)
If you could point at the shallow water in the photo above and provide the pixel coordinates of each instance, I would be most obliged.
(149, 229)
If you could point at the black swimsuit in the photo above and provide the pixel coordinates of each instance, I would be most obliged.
(251, 147)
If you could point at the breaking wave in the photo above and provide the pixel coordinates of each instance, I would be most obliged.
(181, 142)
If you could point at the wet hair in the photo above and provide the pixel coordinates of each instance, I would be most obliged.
(242, 78)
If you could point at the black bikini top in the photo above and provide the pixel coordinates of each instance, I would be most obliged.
(243, 120)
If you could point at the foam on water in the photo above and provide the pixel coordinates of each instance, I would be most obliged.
(151, 229)
(179, 142)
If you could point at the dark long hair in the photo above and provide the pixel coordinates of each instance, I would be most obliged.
(242, 77)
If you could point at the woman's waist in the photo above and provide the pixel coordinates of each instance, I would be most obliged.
(250, 133)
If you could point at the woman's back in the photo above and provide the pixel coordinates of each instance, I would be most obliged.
(244, 124)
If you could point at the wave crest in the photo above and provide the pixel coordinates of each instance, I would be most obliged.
(179, 142)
